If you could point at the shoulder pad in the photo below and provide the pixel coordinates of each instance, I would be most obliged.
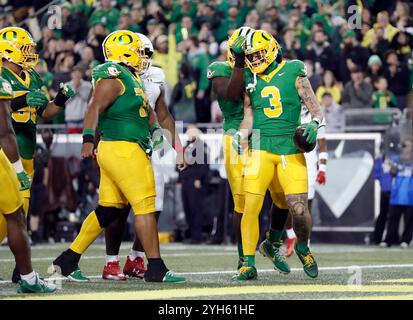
(6, 91)
(107, 70)
(299, 67)
(156, 75)
(219, 69)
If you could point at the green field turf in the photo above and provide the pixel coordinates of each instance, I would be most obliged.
(384, 274)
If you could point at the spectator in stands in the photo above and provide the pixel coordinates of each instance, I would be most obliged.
(199, 61)
(330, 85)
(74, 22)
(315, 79)
(185, 29)
(97, 34)
(402, 44)
(76, 106)
(333, 113)
(105, 14)
(398, 77)
(87, 57)
(383, 98)
(379, 44)
(291, 45)
(168, 58)
(374, 69)
(357, 92)
(47, 77)
(320, 53)
(384, 23)
(352, 56)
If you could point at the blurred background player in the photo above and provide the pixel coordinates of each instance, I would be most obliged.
(11, 200)
(29, 103)
(126, 175)
(316, 171)
(154, 81)
(274, 91)
(227, 79)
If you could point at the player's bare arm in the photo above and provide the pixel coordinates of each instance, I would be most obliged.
(167, 122)
(322, 147)
(306, 93)
(7, 137)
(105, 92)
(229, 88)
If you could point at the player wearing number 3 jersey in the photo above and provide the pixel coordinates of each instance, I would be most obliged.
(275, 89)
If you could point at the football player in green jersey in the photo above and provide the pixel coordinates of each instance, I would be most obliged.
(228, 86)
(274, 91)
(29, 103)
(13, 178)
(120, 111)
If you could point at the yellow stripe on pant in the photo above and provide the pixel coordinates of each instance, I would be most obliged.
(282, 175)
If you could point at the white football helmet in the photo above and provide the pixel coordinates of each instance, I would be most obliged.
(147, 45)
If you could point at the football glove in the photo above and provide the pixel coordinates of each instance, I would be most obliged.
(37, 98)
(156, 137)
(24, 180)
(65, 92)
(238, 51)
(310, 131)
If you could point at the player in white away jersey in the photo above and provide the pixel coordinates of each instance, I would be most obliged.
(316, 171)
(154, 81)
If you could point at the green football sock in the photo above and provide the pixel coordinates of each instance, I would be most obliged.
(240, 251)
(302, 247)
(275, 235)
(249, 261)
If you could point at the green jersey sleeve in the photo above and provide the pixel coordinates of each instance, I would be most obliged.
(107, 70)
(36, 79)
(6, 91)
(218, 69)
(299, 68)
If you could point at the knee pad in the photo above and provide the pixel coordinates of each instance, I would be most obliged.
(106, 215)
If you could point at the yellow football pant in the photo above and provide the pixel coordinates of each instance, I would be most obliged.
(234, 167)
(282, 175)
(126, 176)
(10, 197)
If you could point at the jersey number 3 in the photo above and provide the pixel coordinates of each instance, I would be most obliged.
(276, 107)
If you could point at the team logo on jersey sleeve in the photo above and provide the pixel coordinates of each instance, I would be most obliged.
(112, 71)
(210, 74)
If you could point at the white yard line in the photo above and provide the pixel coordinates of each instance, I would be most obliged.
(332, 268)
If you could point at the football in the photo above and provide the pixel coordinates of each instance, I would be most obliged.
(301, 141)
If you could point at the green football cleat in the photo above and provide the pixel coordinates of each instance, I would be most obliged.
(170, 277)
(77, 276)
(307, 259)
(246, 273)
(272, 252)
(40, 286)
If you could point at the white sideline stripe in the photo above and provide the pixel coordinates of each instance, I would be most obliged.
(353, 267)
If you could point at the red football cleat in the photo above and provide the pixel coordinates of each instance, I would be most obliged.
(134, 268)
(290, 246)
(111, 271)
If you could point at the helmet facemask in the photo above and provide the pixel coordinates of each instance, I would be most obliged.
(256, 61)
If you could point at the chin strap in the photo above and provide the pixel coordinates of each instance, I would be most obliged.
(252, 86)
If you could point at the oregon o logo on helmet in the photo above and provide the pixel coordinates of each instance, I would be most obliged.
(128, 39)
(10, 35)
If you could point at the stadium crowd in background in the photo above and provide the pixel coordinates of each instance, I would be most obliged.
(351, 62)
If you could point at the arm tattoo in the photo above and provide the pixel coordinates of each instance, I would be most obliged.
(298, 206)
(306, 93)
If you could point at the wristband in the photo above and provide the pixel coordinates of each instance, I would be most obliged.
(323, 156)
(322, 167)
(60, 99)
(154, 127)
(18, 166)
(89, 132)
(18, 102)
